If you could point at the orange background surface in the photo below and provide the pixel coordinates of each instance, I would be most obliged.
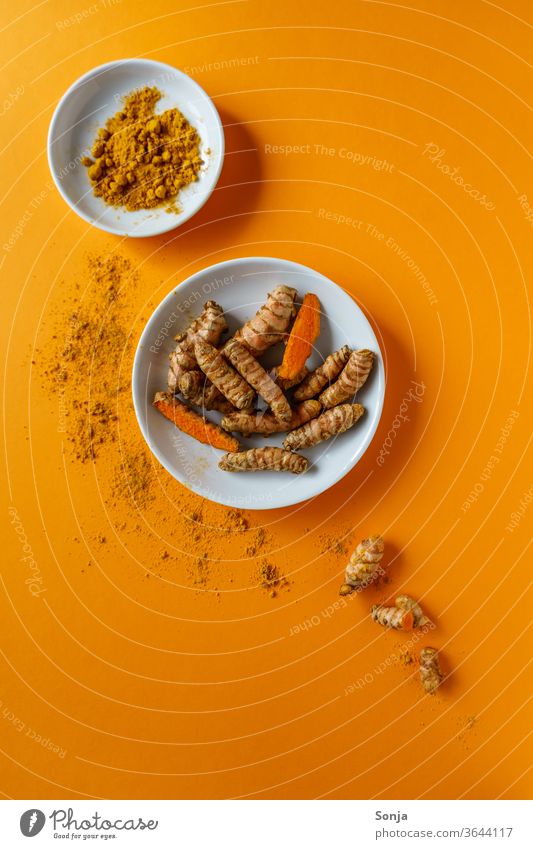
(151, 684)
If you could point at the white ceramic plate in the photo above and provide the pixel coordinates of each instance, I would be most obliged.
(97, 96)
(240, 286)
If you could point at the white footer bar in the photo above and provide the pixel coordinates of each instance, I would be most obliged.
(266, 824)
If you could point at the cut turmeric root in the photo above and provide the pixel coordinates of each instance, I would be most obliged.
(304, 333)
(404, 616)
(189, 422)
(392, 617)
(288, 383)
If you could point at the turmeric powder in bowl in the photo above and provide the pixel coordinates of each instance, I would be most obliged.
(142, 159)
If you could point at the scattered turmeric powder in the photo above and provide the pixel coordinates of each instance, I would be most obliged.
(194, 425)
(330, 423)
(305, 331)
(82, 363)
(363, 564)
(143, 159)
(270, 579)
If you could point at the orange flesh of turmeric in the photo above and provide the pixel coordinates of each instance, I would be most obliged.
(305, 331)
(408, 621)
(188, 421)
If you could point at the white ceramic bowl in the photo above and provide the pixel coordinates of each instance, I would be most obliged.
(240, 286)
(97, 96)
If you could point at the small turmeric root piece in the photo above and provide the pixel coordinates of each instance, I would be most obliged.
(304, 333)
(267, 459)
(270, 321)
(266, 423)
(189, 422)
(363, 564)
(330, 423)
(405, 602)
(404, 616)
(392, 617)
(351, 378)
(430, 673)
(222, 375)
(210, 325)
(257, 377)
(328, 371)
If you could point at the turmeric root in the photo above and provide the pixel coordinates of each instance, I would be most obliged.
(363, 565)
(210, 325)
(304, 333)
(392, 617)
(270, 321)
(269, 459)
(404, 616)
(222, 375)
(430, 672)
(285, 382)
(198, 390)
(328, 424)
(328, 371)
(350, 380)
(266, 423)
(257, 377)
(188, 421)
(405, 602)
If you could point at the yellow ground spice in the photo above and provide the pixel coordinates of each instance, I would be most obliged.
(83, 366)
(143, 159)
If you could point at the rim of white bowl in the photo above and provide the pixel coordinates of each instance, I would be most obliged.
(118, 231)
